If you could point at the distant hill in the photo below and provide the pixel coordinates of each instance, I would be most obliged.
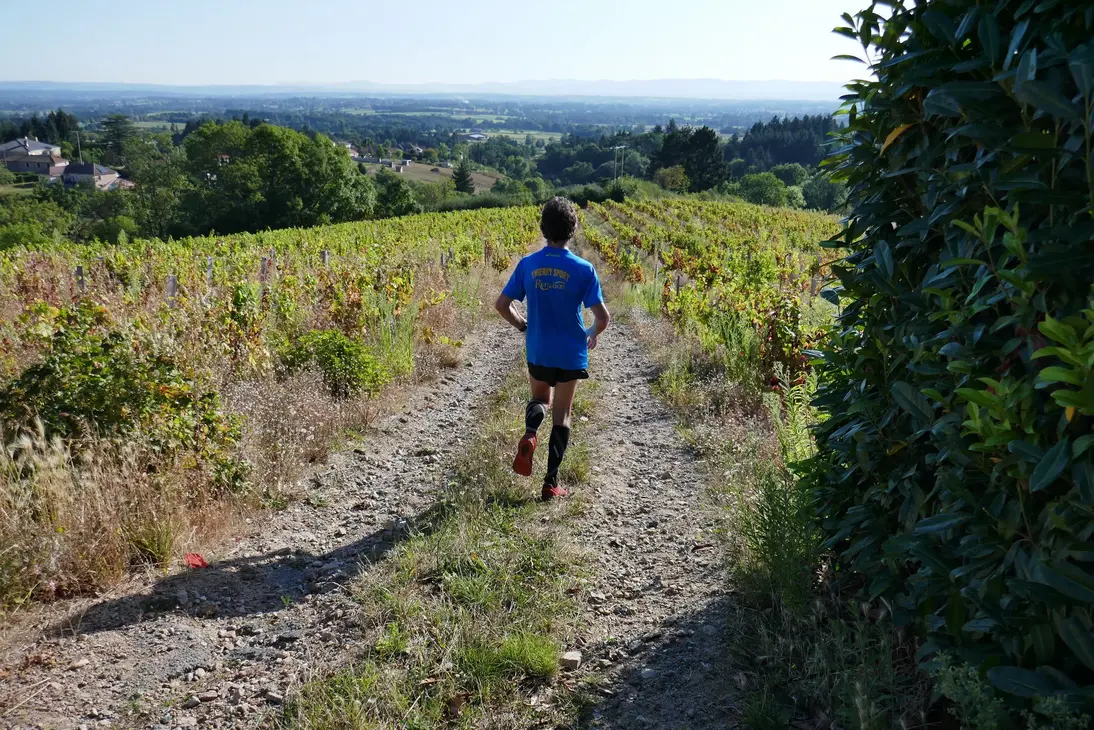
(658, 88)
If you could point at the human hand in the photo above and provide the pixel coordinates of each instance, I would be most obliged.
(592, 342)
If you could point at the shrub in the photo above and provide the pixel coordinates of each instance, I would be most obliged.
(955, 476)
(99, 378)
(584, 194)
(483, 200)
(346, 365)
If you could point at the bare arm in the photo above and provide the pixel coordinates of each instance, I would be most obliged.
(504, 305)
(601, 319)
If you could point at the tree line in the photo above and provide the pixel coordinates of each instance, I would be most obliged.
(772, 163)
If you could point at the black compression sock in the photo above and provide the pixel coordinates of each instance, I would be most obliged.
(560, 439)
(533, 415)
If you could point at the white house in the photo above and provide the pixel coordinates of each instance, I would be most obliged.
(28, 146)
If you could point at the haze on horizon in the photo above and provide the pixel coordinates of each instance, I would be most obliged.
(325, 42)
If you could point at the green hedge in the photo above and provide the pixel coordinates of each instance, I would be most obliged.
(955, 478)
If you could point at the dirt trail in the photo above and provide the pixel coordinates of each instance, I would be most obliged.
(221, 647)
(658, 610)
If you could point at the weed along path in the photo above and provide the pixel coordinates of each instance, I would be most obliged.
(223, 646)
(417, 583)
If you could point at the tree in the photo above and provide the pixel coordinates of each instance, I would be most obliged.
(270, 177)
(794, 197)
(673, 178)
(579, 172)
(117, 130)
(704, 161)
(538, 187)
(779, 141)
(462, 177)
(32, 222)
(395, 196)
(790, 173)
(158, 169)
(823, 193)
(763, 189)
(697, 150)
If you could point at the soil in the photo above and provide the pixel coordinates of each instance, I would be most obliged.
(223, 646)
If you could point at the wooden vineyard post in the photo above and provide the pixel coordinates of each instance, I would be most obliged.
(326, 257)
(263, 272)
(81, 283)
(208, 280)
(172, 291)
(677, 284)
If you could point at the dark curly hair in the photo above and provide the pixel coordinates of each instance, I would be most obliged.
(559, 220)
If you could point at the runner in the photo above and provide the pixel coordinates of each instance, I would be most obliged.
(557, 284)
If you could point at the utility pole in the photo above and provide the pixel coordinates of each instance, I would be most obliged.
(79, 149)
(616, 165)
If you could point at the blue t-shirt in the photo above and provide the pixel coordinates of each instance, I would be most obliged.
(557, 283)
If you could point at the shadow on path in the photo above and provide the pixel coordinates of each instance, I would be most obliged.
(678, 680)
(250, 585)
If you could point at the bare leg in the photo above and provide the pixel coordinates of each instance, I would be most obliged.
(560, 437)
(541, 391)
(564, 402)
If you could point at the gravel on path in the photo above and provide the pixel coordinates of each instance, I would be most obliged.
(657, 607)
(221, 646)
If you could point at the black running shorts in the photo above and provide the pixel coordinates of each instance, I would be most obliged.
(554, 376)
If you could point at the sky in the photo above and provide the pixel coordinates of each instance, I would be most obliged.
(203, 42)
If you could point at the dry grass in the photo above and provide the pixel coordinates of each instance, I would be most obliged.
(68, 525)
(291, 424)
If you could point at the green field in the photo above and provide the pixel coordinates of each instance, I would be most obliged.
(423, 172)
(17, 189)
(157, 126)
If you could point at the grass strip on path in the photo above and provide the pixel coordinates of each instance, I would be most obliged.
(466, 620)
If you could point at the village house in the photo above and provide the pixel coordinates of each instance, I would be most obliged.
(101, 176)
(50, 166)
(407, 163)
(27, 146)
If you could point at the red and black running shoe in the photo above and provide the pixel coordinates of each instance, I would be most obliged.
(553, 491)
(522, 463)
